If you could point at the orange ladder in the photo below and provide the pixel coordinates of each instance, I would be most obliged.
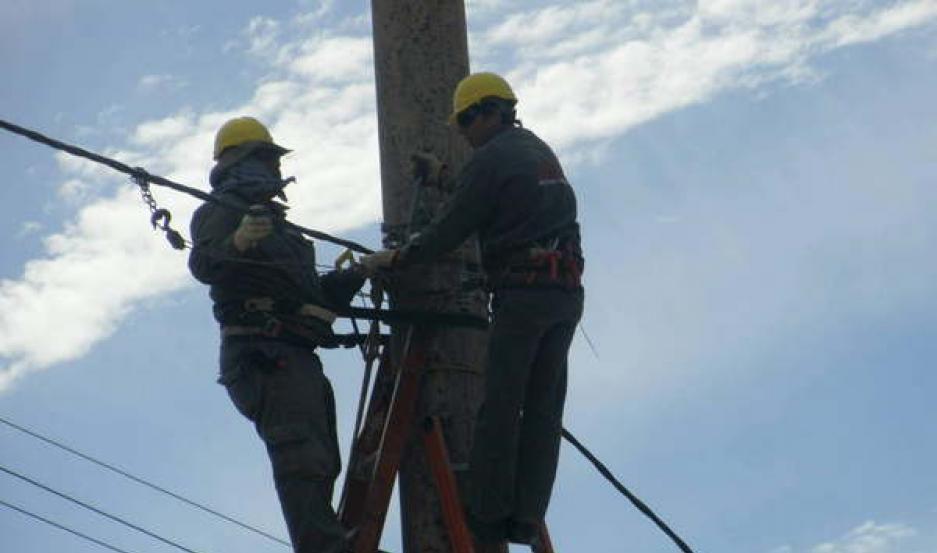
(378, 449)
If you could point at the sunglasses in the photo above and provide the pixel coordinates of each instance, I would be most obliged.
(467, 117)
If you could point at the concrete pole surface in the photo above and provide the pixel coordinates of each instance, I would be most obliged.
(420, 54)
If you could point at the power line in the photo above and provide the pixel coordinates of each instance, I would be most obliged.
(603, 470)
(61, 527)
(141, 176)
(585, 335)
(96, 510)
(143, 482)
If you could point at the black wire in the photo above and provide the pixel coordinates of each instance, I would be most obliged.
(139, 480)
(96, 510)
(589, 341)
(603, 470)
(61, 527)
(138, 173)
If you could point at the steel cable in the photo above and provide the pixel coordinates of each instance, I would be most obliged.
(62, 527)
(94, 509)
(141, 481)
(139, 174)
(603, 470)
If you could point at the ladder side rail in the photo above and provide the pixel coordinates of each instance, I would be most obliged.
(397, 429)
(545, 545)
(366, 443)
(451, 505)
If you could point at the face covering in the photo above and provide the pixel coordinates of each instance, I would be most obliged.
(250, 178)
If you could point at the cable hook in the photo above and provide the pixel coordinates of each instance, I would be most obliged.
(160, 219)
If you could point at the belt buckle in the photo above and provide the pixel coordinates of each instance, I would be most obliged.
(272, 327)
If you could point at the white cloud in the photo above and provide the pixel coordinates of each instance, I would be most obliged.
(168, 129)
(331, 58)
(93, 272)
(610, 66)
(849, 29)
(471, 5)
(74, 190)
(105, 262)
(606, 68)
(318, 9)
(29, 228)
(869, 537)
(161, 82)
(262, 34)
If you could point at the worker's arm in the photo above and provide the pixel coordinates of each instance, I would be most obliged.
(215, 258)
(341, 286)
(463, 215)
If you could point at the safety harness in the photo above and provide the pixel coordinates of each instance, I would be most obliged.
(554, 263)
(308, 325)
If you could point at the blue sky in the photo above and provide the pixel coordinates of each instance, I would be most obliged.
(756, 192)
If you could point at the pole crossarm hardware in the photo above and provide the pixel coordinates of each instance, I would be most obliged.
(139, 175)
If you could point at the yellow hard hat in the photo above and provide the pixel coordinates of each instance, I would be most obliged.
(242, 130)
(475, 88)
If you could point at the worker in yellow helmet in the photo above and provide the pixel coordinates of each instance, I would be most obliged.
(274, 310)
(514, 195)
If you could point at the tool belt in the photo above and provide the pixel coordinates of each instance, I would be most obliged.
(268, 318)
(558, 264)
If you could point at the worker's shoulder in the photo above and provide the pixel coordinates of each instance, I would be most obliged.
(512, 144)
(516, 150)
(215, 210)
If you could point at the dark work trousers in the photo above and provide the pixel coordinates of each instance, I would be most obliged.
(281, 388)
(518, 429)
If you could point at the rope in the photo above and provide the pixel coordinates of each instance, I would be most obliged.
(139, 480)
(141, 175)
(603, 470)
(96, 510)
(61, 527)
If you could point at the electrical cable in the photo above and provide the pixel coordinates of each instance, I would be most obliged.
(140, 174)
(585, 335)
(62, 527)
(96, 510)
(141, 481)
(603, 470)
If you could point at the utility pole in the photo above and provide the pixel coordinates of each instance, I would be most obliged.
(420, 54)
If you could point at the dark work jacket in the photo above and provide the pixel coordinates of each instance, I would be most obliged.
(281, 266)
(513, 193)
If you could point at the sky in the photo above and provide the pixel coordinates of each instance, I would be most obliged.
(756, 190)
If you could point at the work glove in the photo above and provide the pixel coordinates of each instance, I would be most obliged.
(429, 167)
(376, 261)
(254, 227)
